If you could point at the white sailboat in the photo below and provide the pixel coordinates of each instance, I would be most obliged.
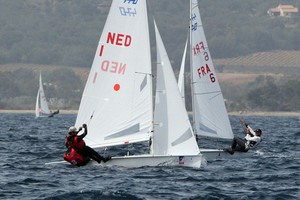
(117, 101)
(41, 105)
(209, 111)
(210, 118)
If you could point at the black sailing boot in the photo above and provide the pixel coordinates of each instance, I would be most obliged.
(107, 158)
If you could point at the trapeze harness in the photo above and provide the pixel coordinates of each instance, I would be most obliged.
(251, 140)
(71, 155)
(75, 142)
(75, 158)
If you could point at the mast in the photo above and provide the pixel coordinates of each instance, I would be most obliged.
(191, 70)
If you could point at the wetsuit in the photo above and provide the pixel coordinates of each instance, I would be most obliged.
(250, 141)
(75, 158)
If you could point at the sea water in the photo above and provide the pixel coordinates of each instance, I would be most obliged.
(26, 144)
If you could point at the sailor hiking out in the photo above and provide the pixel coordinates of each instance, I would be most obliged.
(78, 152)
(250, 141)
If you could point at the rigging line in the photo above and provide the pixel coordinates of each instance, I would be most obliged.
(88, 124)
(215, 92)
(145, 74)
(91, 117)
(195, 5)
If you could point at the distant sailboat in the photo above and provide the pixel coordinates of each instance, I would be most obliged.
(41, 105)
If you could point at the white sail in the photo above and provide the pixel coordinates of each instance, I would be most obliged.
(181, 74)
(117, 99)
(209, 111)
(173, 134)
(41, 105)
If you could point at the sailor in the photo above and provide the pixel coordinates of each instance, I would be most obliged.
(75, 158)
(251, 140)
(76, 141)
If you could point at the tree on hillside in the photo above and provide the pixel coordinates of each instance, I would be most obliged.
(272, 97)
(67, 32)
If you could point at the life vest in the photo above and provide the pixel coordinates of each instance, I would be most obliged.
(74, 143)
(75, 158)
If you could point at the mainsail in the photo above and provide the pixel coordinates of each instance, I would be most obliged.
(210, 117)
(117, 100)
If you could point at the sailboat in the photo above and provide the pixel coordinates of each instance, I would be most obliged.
(117, 100)
(210, 118)
(41, 105)
(209, 111)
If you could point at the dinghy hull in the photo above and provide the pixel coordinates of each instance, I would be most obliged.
(135, 161)
(219, 154)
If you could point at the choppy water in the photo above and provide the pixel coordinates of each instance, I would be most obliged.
(27, 143)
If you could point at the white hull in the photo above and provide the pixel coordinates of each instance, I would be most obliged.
(136, 161)
(150, 160)
(219, 154)
(42, 116)
(193, 161)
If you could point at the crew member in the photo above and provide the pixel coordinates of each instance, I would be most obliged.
(251, 140)
(76, 141)
(75, 158)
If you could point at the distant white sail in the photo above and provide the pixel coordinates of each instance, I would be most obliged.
(41, 106)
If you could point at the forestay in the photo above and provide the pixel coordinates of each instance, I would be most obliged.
(209, 111)
(117, 100)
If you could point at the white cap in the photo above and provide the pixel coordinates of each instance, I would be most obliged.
(72, 129)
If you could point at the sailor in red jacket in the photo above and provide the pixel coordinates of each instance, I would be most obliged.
(72, 156)
(76, 141)
(75, 158)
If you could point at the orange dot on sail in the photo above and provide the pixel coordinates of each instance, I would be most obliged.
(116, 87)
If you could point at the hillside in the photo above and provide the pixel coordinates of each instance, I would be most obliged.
(59, 38)
(283, 59)
(64, 85)
(65, 33)
(244, 69)
(81, 72)
(284, 62)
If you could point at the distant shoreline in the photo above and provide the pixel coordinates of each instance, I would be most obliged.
(277, 113)
(248, 113)
(32, 111)
(288, 114)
